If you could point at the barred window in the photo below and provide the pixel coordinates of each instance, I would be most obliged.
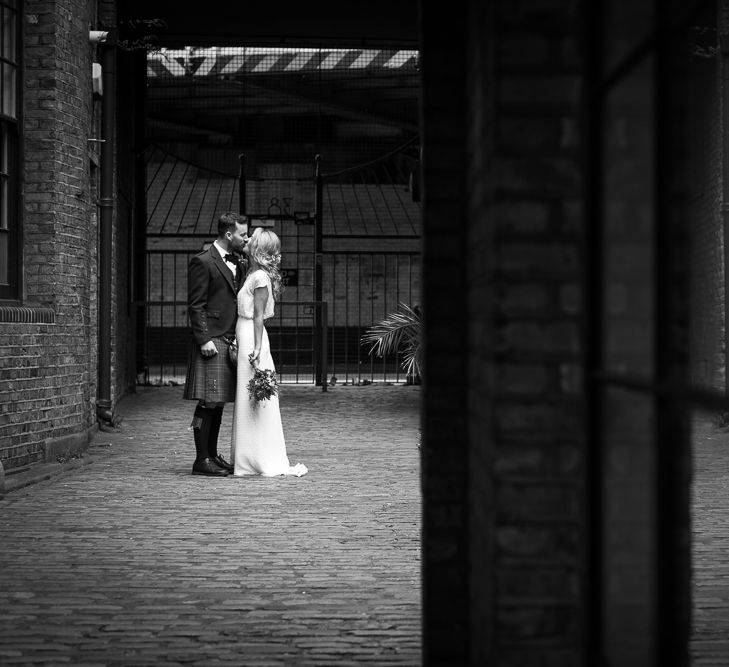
(10, 223)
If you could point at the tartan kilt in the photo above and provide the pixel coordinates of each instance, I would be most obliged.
(211, 379)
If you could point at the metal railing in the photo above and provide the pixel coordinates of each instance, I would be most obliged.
(298, 333)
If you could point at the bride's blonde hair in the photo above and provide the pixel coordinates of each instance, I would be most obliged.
(265, 248)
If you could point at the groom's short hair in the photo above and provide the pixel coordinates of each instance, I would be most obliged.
(227, 222)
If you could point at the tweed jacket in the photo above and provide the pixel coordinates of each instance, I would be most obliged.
(211, 296)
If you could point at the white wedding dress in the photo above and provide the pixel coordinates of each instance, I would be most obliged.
(257, 444)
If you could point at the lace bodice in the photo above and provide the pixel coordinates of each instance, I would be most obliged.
(257, 278)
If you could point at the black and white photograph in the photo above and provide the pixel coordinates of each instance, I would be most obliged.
(387, 334)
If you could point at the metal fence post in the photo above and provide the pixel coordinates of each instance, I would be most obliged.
(324, 314)
(319, 374)
(241, 183)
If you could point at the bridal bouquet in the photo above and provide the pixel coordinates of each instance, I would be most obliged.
(262, 385)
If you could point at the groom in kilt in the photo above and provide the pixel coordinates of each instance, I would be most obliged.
(213, 279)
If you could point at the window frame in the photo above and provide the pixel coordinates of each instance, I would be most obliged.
(11, 168)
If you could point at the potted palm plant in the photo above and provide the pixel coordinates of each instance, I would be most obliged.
(400, 332)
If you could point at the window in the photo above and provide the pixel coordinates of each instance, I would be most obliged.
(10, 223)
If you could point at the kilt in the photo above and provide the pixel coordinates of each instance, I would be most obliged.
(211, 379)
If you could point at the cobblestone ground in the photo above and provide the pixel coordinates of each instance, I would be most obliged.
(710, 557)
(131, 560)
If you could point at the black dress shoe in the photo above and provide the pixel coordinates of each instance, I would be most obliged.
(222, 462)
(208, 467)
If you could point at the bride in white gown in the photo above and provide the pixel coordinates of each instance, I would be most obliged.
(257, 445)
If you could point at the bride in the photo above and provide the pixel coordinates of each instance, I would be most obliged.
(257, 445)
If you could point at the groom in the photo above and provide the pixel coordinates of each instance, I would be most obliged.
(213, 279)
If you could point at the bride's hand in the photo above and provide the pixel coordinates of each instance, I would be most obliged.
(254, 358)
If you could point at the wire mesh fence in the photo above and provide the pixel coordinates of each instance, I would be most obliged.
(320, 145)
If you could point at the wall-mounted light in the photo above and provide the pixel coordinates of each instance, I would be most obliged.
(97, 36)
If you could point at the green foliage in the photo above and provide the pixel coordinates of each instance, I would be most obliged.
(399, 333)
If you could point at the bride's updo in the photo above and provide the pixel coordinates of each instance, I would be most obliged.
(265, 248)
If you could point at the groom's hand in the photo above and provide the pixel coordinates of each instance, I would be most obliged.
(209, 349)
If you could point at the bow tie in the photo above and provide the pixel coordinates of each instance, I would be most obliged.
(230, 257)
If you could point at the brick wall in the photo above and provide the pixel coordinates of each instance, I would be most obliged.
(503, 440)
(555, 526)
(707, 249)
(48, 341)
(525, 421)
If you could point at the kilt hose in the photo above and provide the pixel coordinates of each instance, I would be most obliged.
(210, 379)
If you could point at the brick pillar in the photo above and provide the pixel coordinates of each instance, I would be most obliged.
(526, 219)
(503, 433)
(444, 408)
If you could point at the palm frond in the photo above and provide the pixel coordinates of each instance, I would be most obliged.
(400, 331)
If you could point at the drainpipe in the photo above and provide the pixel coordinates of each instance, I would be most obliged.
(104, 412)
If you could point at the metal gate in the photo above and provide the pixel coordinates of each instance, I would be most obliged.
(347, 263)
(370, 257)
(350, 236)
(184, 202)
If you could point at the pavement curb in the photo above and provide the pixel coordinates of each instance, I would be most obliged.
(69, 460)
(39, 473)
